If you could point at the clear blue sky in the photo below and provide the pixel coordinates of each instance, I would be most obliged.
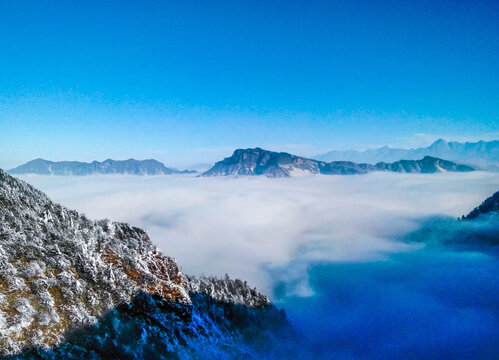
(188, 81)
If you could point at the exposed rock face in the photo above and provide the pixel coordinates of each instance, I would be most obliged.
(61, 272)
(76, 168)
(491, 204)
(272, 164)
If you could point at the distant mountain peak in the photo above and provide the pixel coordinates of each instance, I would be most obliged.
(439, 144)
(108, 166)
(480, 154)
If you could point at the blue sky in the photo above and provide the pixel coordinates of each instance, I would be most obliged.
(188, 81)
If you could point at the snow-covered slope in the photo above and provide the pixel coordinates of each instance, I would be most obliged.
(61, 272)
(59, 269)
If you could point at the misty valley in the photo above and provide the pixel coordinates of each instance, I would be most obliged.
(341, 259)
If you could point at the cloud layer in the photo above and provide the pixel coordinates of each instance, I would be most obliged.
(361, 264)
(240, 226)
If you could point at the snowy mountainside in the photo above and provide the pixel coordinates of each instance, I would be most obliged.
(59, 269)
(227, 290)
(65, 281)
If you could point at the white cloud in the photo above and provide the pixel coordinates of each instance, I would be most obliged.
(242, 225)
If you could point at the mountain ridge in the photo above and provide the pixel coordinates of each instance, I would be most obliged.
(257, 161)
(481, 154)
(489, 205)
(147, 167)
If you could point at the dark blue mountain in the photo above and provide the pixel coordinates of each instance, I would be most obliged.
(490, 205)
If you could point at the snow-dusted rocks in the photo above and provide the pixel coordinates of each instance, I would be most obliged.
(60, 271)
(227, 290)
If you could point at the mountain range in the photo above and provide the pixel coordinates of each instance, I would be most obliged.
(279, 164)
(74, 288)
(481, 154)
(77, 168)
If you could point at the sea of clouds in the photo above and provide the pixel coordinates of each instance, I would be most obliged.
(356, 261)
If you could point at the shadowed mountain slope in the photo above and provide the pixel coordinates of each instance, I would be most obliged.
(489, 205)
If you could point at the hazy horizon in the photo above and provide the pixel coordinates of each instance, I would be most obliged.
(185, 82)
(229, 153)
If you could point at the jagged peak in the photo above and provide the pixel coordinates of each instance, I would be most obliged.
(439, 141)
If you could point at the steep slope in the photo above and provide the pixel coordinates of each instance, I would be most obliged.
(128, 167)
(58, 269)
(489, 205)
(477, 231)
(273, 164)
(61, 272)
(481, 154)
